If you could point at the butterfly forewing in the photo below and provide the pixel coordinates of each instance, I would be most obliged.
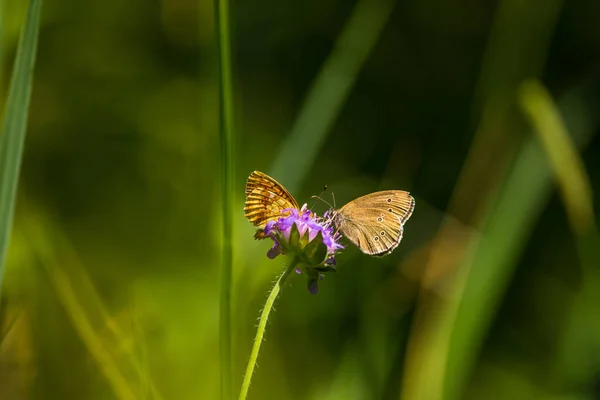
(374, 223)
(265, 199)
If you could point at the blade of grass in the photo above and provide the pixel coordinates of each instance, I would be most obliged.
(508, 60)
(14, 125)
(78, 296)
(222, 15)
(486, 273)
(330, 90)
(566, 164)
(581, 339)
(2, 16)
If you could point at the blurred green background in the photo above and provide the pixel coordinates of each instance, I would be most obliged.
(486, 111)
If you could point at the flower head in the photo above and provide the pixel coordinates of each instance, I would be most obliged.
(309, 238)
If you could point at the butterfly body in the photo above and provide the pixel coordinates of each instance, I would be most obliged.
(375, 222)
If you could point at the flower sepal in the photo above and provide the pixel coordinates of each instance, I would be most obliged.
(314, 252)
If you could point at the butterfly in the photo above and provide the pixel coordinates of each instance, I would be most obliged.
(265, 201)
(375, 222)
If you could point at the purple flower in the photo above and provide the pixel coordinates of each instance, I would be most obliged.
(309, 238)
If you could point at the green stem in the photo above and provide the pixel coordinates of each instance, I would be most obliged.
(262, 323)
(14, 124)
(227, 190)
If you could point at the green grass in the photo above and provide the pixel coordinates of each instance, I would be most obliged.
(2, 17)
(503, 186)
(14, 125)
(329, 91)
(227, 136)
(577, 196)
(494, 257)
(562, 155)
(100, 334)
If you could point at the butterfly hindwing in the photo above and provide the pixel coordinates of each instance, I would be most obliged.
(374, 223)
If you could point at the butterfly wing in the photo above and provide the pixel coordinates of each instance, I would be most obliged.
(265, 200)
(375, 222)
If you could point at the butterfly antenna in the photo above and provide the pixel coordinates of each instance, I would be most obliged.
(319, 198)
(323, 191)
(333, 197)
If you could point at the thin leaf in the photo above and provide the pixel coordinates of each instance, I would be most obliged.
(564, 159)
(330, 90)
(452, 317)
(526, 190)
(14, 125)
(227, 189)
(581, 340)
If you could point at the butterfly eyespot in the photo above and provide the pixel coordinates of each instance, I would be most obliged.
(382, 233)
(389, 200)
(389, 209)
(376, 238)
(379, 219)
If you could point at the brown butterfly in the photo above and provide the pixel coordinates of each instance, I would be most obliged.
(375, 222)
(265, 201)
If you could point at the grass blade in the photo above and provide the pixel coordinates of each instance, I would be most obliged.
(330, 90)
(15, 123)
(227, 186)
(2, 16)
(564, 159)
(79, 298)
(580, 341)
(487, 272)
(451, 319)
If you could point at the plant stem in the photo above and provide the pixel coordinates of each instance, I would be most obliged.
(262, 323)
(227, 190)
(14, 124)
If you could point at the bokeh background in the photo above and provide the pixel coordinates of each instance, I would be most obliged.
(486, 111)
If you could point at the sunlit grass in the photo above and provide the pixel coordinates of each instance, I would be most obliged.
(577, 196)
(2, 28)
(80, 300)
(14, 125)
(475, 261)
(227, 135)
(562, 154)
(329, 91)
